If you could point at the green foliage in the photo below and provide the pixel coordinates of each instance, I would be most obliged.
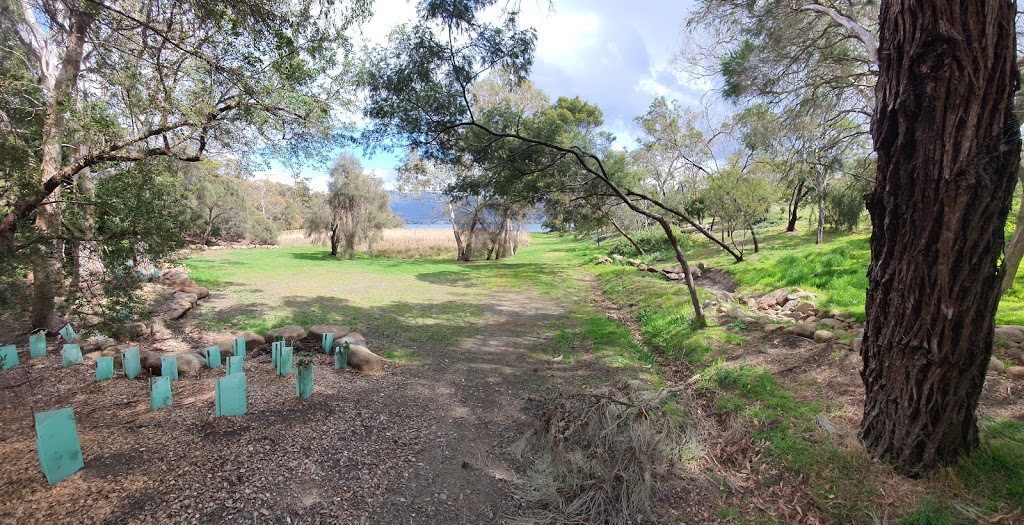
(844, 205)
(355, 209)
(653, 242)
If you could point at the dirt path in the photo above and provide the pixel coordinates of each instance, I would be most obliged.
(425, 442)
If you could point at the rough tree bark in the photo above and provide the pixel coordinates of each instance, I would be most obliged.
(948, 148)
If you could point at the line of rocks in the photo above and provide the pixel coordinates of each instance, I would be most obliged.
(672, 273)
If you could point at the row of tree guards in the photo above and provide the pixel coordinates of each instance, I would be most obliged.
(57, 442)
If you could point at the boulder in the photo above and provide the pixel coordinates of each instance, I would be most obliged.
(824, 336)
(642, 267)
(1015, 371)
(634, 262)
(137, 330)
(831, 323)
(188, 363)
(702, 266)
(174, 275)
(317, 331)
(361, 359)
(199, 291)
(772, 328)
(995, 365)
(186, 297)
(97, 343)
(856, 344)
(290, 333)
(252, 340)
(177, 309)
(766, 302)
(796, 316)
(1009, 333)
(618, 258)
(781, 296)
(806, 308)
(802, 330)
(352, 338)
(603, 260)
(737, 313)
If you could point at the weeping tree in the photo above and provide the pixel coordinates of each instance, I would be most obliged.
(355, 209)
(948, 146)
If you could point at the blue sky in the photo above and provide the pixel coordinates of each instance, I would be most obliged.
(609, 52)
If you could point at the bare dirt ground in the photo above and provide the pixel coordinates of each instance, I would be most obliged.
(424, 442)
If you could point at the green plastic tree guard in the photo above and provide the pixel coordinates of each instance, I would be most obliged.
(8, 356)
(131, 363)
(304, 381)
(160, 392)
(284, 361)
(68, 333)
(37, 344)
(239, 347)
(230, 396)
(169, 367)
(328, 342)
(71, 355)
(104, 368)
(60, 452)
(341, 357)
(213, 357)
(275, 352)
(234, 365)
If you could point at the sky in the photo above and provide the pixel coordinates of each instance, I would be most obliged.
(611, 53)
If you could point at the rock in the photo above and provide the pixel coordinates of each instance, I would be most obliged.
(186, 297)
(806, 308)
(252, 340)
(97, 343)
(737, 313)
(352, 338)
(604, 260)
(1009, 333)
(752, 304)
(618, 258)
(188, 363)
(1015, 371)
(856, 344)
(642, 267)
(199, 291)
(695, 273)
(674, 276)
(796, 316)
(824, 336)
(781, 296)
(634, 262)
(772, 328)
(137, 330)
(177, 309)
(802, 330)
(831, 323)
(290, 333)
(834, 314)
(363, 360)
(702, 266)
(995, 365)
(317, 331)
(91, 320)
(766, 302)
(174, 275)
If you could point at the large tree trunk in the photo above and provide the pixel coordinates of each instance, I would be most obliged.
(45, 262)
(948, 149)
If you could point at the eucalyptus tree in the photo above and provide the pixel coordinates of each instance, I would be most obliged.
(121, 81)
(355, 209)
(948, 145)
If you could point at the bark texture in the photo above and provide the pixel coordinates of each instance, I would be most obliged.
(948, 148)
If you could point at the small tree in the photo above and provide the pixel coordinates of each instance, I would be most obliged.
(739, 198)
(354, 210)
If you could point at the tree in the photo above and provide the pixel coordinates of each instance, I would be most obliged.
(355, 209)
(948, 146)
(123, 81)
(739, 196)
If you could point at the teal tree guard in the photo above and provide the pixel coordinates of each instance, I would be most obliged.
(131, 363)
(104, 368)
(239, 347)
(304, 380)
(284, 361)
(160, 392)
(71, 355)
(213, 357)
(37, 344)
(275, 352)
(8, 356)
(60, 452)
(68, 333)
(230, 396)
(234, 365)
(169, 367)
(341, 357)
(328, 342)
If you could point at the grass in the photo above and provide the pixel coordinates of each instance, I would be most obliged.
(398, 243)
(843, 479)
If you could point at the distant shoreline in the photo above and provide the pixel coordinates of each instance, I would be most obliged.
(529, 228)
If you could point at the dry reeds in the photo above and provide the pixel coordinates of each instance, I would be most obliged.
(400, 243)
(599, 458)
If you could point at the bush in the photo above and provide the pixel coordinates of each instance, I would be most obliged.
(261, 230)
(844, 205)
